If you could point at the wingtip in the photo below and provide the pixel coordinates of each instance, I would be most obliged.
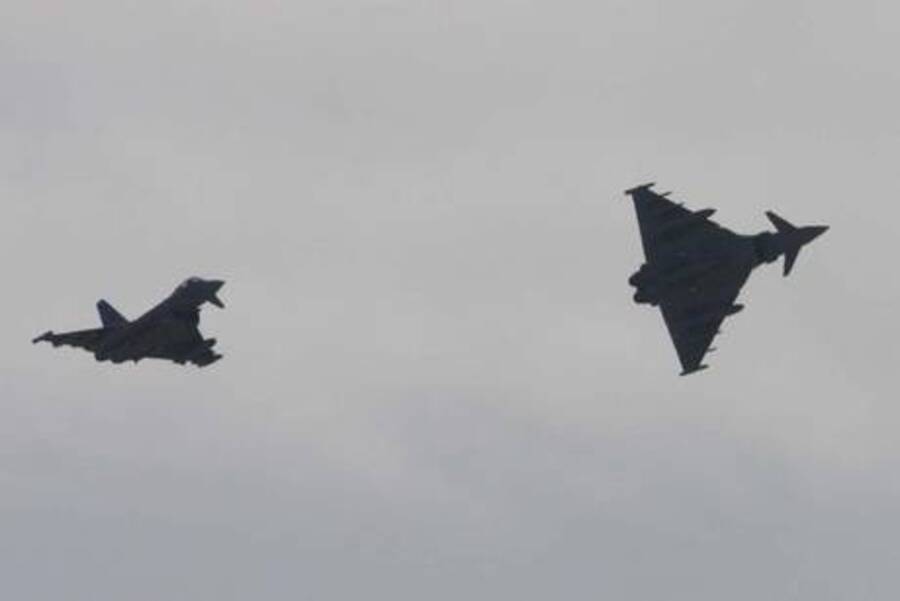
(646, 186)
(694, 370)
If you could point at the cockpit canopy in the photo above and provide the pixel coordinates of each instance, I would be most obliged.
(188, 282)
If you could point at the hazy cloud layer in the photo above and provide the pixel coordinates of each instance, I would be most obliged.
(435, 384)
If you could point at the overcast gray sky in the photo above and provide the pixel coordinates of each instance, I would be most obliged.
(435, 384)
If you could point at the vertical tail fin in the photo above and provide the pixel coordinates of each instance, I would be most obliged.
(109, 317)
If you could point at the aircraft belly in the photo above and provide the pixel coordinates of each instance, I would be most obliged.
(167, 339)
(173, 337)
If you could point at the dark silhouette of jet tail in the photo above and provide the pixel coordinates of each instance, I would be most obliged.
(109, 317)
(794, 238)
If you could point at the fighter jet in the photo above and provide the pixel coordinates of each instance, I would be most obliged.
(695, 268)
(167, 331)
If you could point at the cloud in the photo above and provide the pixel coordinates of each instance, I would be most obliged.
(435, 383)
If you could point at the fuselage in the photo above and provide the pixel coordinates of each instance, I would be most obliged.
(691, 262)
(153, 333)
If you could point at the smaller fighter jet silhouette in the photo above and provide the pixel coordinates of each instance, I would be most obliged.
(167, 331)
(695, 268)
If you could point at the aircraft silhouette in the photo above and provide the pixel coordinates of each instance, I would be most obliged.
(695, 268)
(167, 331)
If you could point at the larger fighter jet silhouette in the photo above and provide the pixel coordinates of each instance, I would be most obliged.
(695, 268)
(167, 331)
